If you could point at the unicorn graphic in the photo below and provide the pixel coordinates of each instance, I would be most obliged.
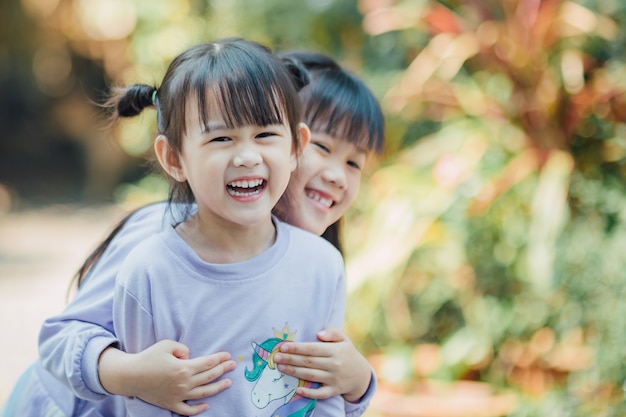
(272, 385)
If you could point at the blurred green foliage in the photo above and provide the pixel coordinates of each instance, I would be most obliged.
(496, 230)
(488, 242)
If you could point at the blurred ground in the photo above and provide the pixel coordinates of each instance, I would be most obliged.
(40, 250)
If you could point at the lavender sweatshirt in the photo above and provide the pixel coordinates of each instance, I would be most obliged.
(289, 292)
(71, 342)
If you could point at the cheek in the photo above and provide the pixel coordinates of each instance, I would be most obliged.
(303, 173)
(295, 187)
(354, 183)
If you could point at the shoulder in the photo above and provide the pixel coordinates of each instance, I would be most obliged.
(152, 214)
(141, 223)
(147, 253)
(147, 221)
(135, 228)
(161, 213)
(311, 245)
(146, 261)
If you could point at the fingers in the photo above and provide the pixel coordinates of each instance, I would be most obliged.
(190, 410)
(208, 375)
(180, 351)
(300, 360)
(207, 370)
(208, 390)
(318, 349)
(172, 347)
(331, 334)
(206, 363)
(320, 393)
(308, 374)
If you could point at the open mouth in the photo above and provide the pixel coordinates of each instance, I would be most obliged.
(315, 196)
(245, 187)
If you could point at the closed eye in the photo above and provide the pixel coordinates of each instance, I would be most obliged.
(266, 134)
(278, 379)
(322, 147)
(354, 165)
(220, 139)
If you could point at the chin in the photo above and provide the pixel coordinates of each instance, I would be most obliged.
(318, 231)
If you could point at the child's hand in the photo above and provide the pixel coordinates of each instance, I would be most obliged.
(163, 375)
(336, 364)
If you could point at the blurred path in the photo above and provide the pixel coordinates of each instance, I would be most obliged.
(40, 250)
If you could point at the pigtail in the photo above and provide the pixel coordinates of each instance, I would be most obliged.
(297, 71)
(130, 101)
(312, 61)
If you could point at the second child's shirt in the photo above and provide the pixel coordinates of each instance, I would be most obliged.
(289, 292)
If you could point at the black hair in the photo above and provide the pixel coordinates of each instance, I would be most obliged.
(341, 105)
(252, 87)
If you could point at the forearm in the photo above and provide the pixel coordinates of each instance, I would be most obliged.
(113, 366)
(69, 350)
(70, 344)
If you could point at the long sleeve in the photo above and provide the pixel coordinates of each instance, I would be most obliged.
(70, 343)
(134, 324)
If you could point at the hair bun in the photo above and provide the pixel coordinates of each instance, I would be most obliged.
(299, 74)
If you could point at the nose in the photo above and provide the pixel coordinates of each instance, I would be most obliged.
(247, 156)
(336, 175)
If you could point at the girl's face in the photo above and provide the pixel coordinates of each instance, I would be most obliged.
(325, 183)
(236, 174)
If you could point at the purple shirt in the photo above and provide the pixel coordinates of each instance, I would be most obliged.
(70, 343)
(289, 292)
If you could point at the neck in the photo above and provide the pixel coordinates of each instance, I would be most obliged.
(225, 242)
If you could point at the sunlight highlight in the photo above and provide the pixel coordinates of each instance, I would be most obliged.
(106, 19)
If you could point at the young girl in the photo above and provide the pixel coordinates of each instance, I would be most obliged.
(229, 277)
(347, 127)
(73, 343)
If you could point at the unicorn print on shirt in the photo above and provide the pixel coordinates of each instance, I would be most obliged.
(272, 385)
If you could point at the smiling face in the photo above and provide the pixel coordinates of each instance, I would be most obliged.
(236, 174)
(325, 183)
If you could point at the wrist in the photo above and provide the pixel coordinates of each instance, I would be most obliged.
(355, 396)
(111, 371)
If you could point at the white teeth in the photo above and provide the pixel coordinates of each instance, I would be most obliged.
(239, 194)
(246, 184)
(235, 187)
(315, 196)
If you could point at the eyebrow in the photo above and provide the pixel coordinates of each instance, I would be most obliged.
(209, 127)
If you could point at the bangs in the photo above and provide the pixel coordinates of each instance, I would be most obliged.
(339, 109)
(250, 95)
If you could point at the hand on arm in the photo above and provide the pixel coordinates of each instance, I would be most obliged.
(335, 363)
(163, 375)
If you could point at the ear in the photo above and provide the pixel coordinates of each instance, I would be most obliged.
(168, 158)
(304, 135)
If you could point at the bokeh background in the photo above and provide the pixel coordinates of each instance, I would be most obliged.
(486, 253)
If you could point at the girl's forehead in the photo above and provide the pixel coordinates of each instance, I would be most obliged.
(207, 111)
